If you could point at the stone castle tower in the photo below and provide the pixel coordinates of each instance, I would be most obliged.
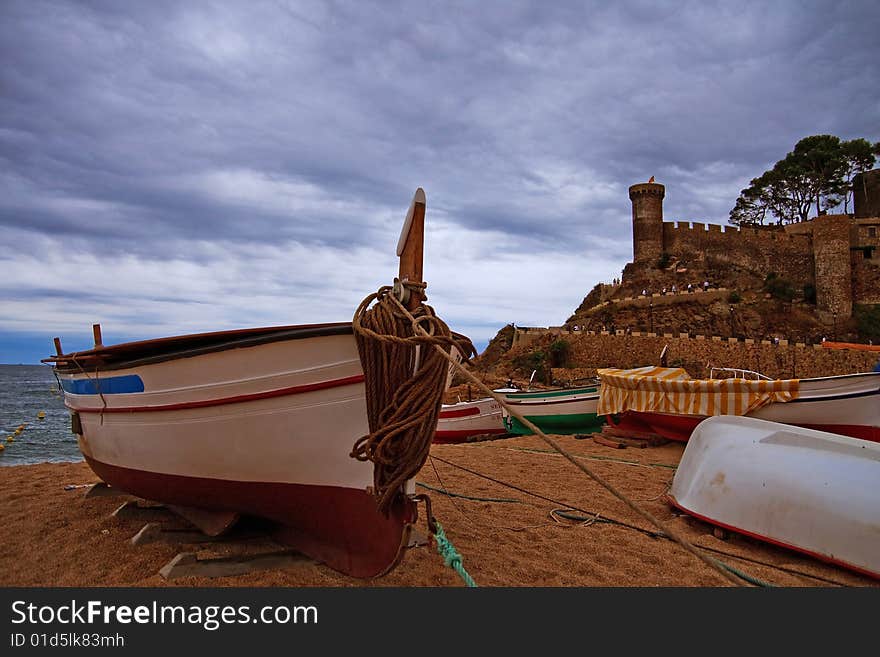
(838, 254)
(647, 202)
(833, 267)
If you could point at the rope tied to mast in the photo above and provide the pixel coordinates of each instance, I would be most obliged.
(404, 379)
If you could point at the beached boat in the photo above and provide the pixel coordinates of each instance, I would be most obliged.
(557, 410)
(668, 402)
(259, 421)
(811, 491)
(462, 420)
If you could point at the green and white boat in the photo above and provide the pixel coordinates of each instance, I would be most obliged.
(558, 410)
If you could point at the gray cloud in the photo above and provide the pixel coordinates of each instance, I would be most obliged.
(142, 132)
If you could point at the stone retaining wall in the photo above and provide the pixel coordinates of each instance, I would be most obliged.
(590, 351)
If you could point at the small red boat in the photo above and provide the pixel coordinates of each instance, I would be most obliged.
(460, 421)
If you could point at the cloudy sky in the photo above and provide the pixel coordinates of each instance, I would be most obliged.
(175, 167)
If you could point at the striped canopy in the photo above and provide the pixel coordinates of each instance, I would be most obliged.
(672, 390)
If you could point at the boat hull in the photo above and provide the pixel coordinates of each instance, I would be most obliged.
(335, 525)
(265, 429)
(562, 411)
(810, 491)
(848, 405)
(458, 422)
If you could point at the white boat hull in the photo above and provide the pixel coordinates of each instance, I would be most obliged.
(557, 411)
(264, 428)
(847, 404)
(458, 422)
(811, 491)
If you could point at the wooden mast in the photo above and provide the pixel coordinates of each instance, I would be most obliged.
(411, 246)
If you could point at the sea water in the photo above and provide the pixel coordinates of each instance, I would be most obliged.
(25, 392)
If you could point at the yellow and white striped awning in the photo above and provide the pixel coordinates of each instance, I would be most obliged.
(672, 390)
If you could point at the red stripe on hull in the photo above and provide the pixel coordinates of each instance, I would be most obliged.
(340, 527)
(662, 425)
(461, 435)
(238, 399)
(461, 412)
(680, 427)
(782, 544)
(853, 430)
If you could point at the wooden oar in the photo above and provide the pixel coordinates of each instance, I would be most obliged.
(411, 247)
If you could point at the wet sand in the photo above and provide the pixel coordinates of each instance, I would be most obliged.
(57, 537)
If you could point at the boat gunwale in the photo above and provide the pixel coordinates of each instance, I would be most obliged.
(833, 377)
(837, 376)
(554, 392)
(832, 397)
(552, 402)
(127, 352)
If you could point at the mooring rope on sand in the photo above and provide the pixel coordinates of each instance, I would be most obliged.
(443, 491)
(580, 466)
(450, 555)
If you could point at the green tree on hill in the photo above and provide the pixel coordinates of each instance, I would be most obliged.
(817, 175)
(859, 156)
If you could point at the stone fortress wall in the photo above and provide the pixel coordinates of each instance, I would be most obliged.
(838, 254)
(757, 249)
(592, 350)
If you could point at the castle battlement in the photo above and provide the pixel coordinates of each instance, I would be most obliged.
(825, 252)
(647, 189)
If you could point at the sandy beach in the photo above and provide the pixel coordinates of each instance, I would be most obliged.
(55, 536)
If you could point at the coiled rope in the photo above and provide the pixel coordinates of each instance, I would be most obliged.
(405, 380)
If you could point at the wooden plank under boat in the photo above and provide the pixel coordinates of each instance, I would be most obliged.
(811, 491)
(258, 421)
(662, 401)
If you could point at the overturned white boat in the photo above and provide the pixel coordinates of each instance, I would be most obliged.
(810, 491)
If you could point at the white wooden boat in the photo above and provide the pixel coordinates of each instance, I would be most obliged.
(666, 401)
(556, 410)
(811, 491)
(460, 421)
(257, 421)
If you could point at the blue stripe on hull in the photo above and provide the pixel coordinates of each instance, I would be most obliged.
(113, 385)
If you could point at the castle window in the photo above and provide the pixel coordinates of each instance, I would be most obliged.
(872, 231)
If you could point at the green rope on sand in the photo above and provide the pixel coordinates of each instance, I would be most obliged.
(749, 578)
(450, 556)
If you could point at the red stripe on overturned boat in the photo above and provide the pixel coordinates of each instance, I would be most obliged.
(782, 544)
(238, 399)
(338, 526)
